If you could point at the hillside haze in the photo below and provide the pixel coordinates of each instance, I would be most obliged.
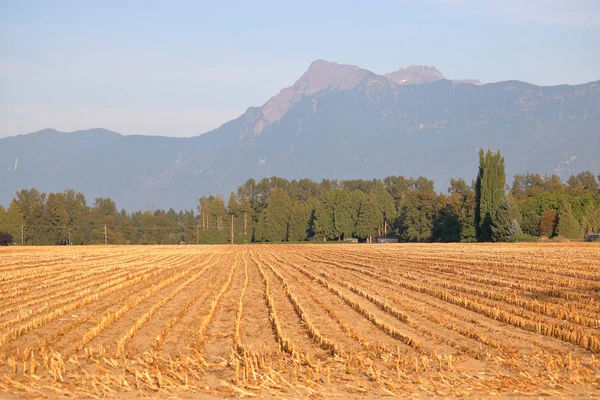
(335, 121)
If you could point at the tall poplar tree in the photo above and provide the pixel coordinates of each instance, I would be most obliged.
(489, 192)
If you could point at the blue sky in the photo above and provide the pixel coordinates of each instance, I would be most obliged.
(183, 68)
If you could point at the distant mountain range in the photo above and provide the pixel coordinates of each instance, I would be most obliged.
(336, 121)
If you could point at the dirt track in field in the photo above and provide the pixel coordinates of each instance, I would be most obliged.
(354, 320)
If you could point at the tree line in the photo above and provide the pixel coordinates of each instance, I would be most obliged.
(279, 210)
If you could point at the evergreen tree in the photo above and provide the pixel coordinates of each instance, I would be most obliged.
(356, 199)
(368, 219)
(505, 222)
(567, 226)
(591, 219)
(489, 191)
(323, 219)
(275, 218)
(341, 210)
(530, 217)
(299, 222)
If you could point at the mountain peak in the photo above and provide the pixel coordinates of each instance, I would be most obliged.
(321, 75)
(324, 66)
(415, 74)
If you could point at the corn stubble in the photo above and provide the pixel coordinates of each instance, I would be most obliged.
(332, 320)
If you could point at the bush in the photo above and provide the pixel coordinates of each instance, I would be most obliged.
(524, 238)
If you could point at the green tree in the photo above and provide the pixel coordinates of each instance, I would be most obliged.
(591, 219)
(368, 219)
(190, 229)
(489, 191)
(323, 219)
(299, 224)
(584, 182)
(456, 221)
(12, 221)
(214, 220)
(568, 226)
(418, 212)
(31, 203)
(446, 227)
(79, 213)
(530, 216)
(385, 204)
(275, 217)
(505, 222)
(261, 229)
(246, 218)
(56, 220)
(234, 210)
(341, 213)
(459, 186)
(127, 232)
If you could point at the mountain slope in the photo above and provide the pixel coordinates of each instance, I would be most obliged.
(336, 121)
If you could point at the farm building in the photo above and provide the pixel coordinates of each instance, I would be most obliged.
(386, 240)
(593, 237)
(5, 239)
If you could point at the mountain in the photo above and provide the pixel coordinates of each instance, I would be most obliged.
(336, 121)
(415, 74)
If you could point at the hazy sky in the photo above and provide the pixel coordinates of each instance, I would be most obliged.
(183, 68)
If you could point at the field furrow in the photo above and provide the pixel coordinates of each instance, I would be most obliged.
(300, 320)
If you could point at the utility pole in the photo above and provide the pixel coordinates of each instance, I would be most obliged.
(105, 237)
(69, 236)
(245, 223)
(22, 235)
(197, 236)
(231, 228)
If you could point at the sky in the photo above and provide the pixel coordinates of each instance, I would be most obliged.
(182, 68)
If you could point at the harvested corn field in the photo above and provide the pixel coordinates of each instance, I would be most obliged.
(299, 320)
